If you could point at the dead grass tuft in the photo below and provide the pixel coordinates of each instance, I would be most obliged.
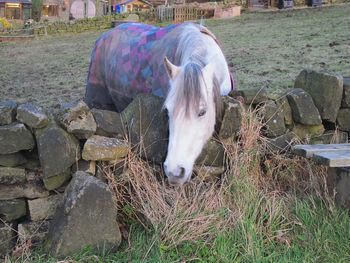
(176, 214)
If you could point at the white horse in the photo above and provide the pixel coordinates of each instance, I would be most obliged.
(129, 59)
(193, 101)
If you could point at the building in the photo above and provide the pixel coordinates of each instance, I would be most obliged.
(72, 9)
(132, 5)
(55, 10)
(16, 9)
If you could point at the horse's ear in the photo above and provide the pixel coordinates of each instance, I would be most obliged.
(171, 68)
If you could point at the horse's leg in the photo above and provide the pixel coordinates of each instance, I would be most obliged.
(97, 94)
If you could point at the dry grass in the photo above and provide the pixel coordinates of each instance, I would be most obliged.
(176, 214)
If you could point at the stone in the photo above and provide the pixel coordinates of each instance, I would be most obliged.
(43, 208)
(303, 108)
(12, 209)
(109, 123)
(14, 138)
(32, 115)
(77, 119)
(308, 131)
(12, 175)
(345, 103)
(283, 104)
(251, 96)
(7, 111)
(55, 181)
(12, 159)
(58, 151)
(99, 148)
(281, 143)
(338, 181)
(273, 119)
(147, 124)
(326, 90)
(330, 137)
(35, 232)
(208, 173)
(343, 119)
(86, 217)
(7, 239)
(85, 166)
(32, 160)
(232, 118)
(29, 190)
(213, 154)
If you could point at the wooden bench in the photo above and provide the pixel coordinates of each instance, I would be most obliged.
(337, 158)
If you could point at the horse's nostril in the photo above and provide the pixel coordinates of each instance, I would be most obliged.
(182, 172)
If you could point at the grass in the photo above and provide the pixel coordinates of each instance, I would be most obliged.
(313, 234)
(265, 49)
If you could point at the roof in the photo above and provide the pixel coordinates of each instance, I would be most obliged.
(130, 1)
(17, 1)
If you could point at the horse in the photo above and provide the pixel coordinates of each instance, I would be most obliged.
(182, 63)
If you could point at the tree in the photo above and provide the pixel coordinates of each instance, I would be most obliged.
(37, 6)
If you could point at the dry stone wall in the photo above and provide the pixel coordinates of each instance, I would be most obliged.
(40, 153)
(316, 110)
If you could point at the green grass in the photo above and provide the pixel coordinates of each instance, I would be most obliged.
(271, 227)
(313, 234)
(270, 49)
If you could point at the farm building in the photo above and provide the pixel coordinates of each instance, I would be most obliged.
(16, 9)
(53, 9)
(132, 5)
(63, 10)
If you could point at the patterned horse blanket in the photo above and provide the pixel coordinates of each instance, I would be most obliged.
(128, 60)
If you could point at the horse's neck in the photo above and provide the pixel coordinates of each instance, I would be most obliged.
(193, 47)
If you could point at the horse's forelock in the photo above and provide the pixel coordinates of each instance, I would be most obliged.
(188, 90)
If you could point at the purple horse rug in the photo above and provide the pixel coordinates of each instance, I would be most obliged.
(128, 60)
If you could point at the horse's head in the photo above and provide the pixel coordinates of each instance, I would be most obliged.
(192, 104)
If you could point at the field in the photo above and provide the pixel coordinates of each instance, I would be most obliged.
(264, 49)
(278, 213)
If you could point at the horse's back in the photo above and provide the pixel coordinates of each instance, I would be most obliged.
(125, 61)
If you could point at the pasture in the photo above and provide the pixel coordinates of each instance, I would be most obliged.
(278, 210)
(265, 50)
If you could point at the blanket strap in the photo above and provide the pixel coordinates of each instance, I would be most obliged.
(206, 31)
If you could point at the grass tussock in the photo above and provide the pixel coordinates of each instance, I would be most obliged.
(176, 214)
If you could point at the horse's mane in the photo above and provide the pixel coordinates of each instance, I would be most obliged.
(192, 54)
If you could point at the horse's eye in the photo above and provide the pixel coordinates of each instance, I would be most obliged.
(202, 113)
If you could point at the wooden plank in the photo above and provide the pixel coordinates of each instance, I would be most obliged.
(333, 159)
(310, 150)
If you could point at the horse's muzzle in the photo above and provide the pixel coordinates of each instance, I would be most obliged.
(176, 177)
